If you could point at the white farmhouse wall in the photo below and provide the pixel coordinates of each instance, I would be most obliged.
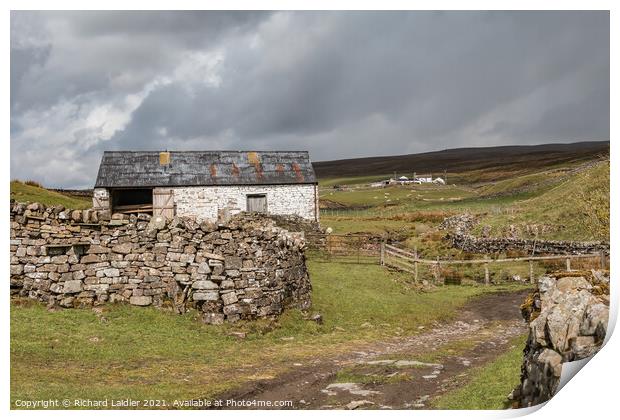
(210, 202)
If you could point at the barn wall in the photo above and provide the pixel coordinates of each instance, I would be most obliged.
(215, 202)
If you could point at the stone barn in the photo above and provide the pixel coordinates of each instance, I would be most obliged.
(208, 185)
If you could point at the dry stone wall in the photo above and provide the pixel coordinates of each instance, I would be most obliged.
(458, 235)
(567, 317)
(244, 269)
(470, 243)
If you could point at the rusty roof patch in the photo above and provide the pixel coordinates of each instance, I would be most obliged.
(235, 170)
(299, 176)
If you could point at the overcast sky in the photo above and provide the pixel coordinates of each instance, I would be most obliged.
(339, 84)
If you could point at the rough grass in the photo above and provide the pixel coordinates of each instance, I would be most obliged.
(578, 207)
(417, 195)
(488, 386)
(507, 186)
(30, 192)
(560, 207)
(147, 353)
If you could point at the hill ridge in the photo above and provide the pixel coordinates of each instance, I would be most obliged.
(465, 159)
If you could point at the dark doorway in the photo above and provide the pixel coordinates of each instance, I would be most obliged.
(132, 200)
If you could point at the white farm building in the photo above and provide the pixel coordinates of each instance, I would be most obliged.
(208, 185)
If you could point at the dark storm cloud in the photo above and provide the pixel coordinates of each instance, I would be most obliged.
(339, 84)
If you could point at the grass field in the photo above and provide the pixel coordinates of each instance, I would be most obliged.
(146, 353)
(487, 387)
(30, 193)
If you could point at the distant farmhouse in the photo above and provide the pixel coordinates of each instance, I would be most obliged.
(208, 185)
(403, 180)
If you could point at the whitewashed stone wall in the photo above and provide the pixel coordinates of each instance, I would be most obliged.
(213, 202)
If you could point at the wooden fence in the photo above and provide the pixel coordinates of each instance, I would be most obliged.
(408, 261)
(353, 248)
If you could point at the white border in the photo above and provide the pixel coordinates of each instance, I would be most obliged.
(591, 394)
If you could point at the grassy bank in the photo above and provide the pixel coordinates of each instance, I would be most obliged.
(130, 352)
(31, 193)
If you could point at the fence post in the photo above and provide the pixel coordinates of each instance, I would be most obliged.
(486, 271)
(531, 271)
(568, 264)
(329, 246)
(383, 253)
(415, 265)
(603, 264)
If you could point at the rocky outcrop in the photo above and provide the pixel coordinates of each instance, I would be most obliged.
(567, 317)
(244, 269)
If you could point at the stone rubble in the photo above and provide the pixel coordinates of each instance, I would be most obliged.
(244, 269)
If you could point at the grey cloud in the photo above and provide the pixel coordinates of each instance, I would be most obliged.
(339, 84)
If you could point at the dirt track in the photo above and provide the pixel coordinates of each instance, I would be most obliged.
(400, 373)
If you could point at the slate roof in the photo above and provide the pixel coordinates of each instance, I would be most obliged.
(143, 169)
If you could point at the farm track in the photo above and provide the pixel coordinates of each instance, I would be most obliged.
(402, 372)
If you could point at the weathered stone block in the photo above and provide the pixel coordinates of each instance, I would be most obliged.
(124, 248)
(205, 295)
(232, 309)
(111, 272)
(141, 300)
(72, 286)
(203, 268)
(204, 284)
(229, 298)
